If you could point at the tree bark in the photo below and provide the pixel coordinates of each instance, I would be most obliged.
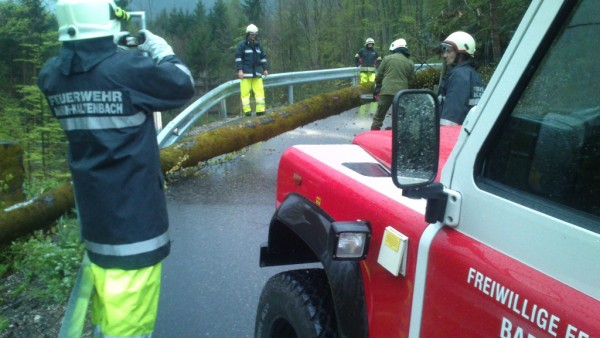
(38, 213)
(12, 173)
(41, 212)
(495, 31)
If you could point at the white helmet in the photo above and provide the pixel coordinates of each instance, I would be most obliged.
(88, 19)
(461, 42)
(369, 40)
(397, 44)
(251, 29)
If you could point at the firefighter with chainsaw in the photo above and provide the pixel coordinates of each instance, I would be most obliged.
(104, 97)
(251, 64)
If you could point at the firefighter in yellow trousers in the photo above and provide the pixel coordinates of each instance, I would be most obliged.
(104, 95)
(251, 64)
(367, 59)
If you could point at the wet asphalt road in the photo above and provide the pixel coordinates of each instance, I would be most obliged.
(219, 219)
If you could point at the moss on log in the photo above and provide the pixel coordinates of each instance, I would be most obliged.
(235, 137)
(35, 214)
(43, 211)
(12, 173)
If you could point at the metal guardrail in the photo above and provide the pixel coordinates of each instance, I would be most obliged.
(178, 126)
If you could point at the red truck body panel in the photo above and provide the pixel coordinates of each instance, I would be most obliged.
(472, 289)
(475, 291)
(388, 297)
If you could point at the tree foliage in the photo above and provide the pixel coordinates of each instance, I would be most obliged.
(28, 32)
(253, 9)
(297, 35)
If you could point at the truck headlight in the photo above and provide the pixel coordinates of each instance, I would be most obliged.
(349, 240)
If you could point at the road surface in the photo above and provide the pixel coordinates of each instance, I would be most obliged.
(219, 218)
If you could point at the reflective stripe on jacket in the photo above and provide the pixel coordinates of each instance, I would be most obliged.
(251, 58)
(367, 58)
(104, 99)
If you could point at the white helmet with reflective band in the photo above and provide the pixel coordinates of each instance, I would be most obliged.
(369, 40)
(252, 29)
(397, 44)
(88, 19)
(461, 42)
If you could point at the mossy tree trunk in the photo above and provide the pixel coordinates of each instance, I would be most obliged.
(235, 137)
(12, 173)
(35, 214)
(42, 211)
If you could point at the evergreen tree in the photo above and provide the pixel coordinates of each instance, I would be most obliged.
(221, 49)
(253, 9)
(491, 22)
(199, 43)
(31, 32)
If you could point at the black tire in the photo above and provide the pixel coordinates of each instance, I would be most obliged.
(296, 304)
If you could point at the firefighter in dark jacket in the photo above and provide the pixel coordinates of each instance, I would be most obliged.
(462, 87)
(104, 98)
(367, 59)
(251, 64)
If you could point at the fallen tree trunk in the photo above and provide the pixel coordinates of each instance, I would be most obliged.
(231, 138)
(35, 214)
(43, 211)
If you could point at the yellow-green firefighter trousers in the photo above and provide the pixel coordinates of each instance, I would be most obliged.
(125, 302)
(368, 108)
(256, 85)
(367, 77)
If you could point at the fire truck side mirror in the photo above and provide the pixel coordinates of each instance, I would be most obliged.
(415, 137)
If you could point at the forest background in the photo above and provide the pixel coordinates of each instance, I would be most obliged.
(297, 36)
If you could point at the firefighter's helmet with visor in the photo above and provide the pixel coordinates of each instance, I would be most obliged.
(252, 29)
(461, 42)
(400, 43)
(369, 40)
(88, 19)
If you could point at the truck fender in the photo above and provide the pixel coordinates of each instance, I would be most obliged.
(298, 234)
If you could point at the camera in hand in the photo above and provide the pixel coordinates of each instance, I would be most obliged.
(132, 41)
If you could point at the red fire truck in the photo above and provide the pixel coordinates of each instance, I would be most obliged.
(502, 241)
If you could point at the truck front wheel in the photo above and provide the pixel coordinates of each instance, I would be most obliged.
(296, 304)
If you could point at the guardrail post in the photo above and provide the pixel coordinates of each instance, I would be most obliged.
(291, 94)
(223, 109)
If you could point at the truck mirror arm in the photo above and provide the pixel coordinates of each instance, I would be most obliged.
(436, 200)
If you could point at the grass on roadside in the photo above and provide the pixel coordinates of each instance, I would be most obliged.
(47, 262)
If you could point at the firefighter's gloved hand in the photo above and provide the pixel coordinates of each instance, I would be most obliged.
(376, 92)
(156, 46)
(120, 40)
